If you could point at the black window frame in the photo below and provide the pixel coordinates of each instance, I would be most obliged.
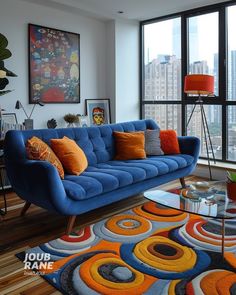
(221, 99)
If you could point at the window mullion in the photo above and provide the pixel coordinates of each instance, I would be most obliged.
(184, 65)
(222, 78)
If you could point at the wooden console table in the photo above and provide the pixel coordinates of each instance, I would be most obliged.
(2, 171)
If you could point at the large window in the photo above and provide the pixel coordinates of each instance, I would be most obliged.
(231, 54)
(201, 41)
(203, 58)
(162, 72)
(163, 60)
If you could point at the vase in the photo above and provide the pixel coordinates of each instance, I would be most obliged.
(29, 124)
(70, 125)
(231, 190)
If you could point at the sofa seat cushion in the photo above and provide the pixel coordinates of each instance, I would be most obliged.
(105, 177)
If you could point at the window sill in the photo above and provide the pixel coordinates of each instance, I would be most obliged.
(218, 165)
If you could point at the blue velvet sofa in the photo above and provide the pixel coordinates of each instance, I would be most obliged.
(104, 181)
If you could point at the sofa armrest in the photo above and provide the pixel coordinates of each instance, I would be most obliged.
(189, 145)
(44, 185)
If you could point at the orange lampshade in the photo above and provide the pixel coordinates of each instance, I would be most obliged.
(199, 84)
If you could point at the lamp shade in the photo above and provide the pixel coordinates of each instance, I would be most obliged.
(18, 105)
(199, 84)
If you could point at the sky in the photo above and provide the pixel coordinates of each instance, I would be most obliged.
(203, 44)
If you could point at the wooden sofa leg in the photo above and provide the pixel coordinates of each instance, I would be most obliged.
(70, 224)
(25, 208)
(182, 181)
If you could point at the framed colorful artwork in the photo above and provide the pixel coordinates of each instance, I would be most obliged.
(54, 65)
(98, 111)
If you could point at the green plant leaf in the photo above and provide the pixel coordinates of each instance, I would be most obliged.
(4, 54)
(8, 73)
(11, 74)
(3, 83)
(232, 176)
(5, 92)
(3, 42)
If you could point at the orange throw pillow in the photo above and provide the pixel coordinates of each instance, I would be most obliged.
(70, 154)
(129, 145)
(169, 142)
(37, 149)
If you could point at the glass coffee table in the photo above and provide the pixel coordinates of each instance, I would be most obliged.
(206, 199)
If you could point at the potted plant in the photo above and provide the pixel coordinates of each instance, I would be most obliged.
(4, 72)
(71, 119)
(231, 185)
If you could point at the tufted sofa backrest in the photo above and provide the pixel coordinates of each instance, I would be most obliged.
(96, 142)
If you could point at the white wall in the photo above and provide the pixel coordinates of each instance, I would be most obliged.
(14, 17)
(127, 71)
(111, 66)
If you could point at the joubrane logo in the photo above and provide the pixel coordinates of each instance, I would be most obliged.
(37, 263)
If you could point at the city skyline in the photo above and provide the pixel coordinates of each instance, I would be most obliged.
(202, 25)
(163, 82)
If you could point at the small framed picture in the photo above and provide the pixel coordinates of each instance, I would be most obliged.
(8, 122)
(9, 118)
(98, 111)
(83, 121)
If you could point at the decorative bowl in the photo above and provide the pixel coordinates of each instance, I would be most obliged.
(199, 190)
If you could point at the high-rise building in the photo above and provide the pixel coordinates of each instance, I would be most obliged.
(233, 74)
(163, 78)
(216, 73)
(231, 86)
(176, 38)
(231, 110)
(163, 82)
(199, 67)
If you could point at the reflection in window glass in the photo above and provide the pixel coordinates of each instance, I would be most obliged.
(162, 60)
(166, 116)
(203, 36)
(231, 61)
(213, 114)
(231, 115)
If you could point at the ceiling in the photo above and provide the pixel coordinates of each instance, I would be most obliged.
(132, 9)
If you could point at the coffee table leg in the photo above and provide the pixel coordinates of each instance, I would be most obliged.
(223, 237)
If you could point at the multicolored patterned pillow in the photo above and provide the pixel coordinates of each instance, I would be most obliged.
(37, 149)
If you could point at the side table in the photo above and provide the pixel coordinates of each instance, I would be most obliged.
(3, 192)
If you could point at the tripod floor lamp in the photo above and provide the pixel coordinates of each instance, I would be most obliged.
(203, 86)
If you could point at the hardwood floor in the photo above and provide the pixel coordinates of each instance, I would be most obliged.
(36, 227)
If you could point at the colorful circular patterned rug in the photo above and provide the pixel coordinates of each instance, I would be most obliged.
(147, 250)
